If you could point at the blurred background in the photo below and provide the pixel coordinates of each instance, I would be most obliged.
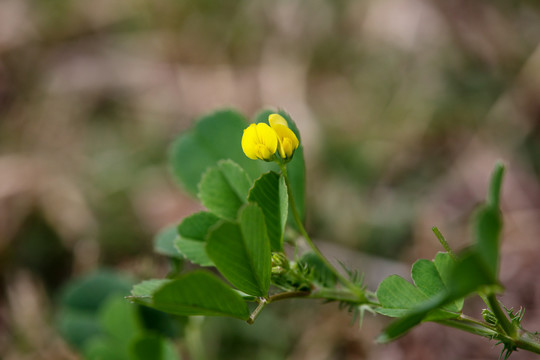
(403, 105)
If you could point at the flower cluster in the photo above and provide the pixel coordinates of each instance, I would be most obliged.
(261, 141)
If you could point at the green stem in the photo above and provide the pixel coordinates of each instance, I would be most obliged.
(340, 295)
(193, 338)
(277, 297)
(258, 309)
(504, 323)
(359, 292)
(472, 320)
(443, 242)
(288, 295)
(525, 341)
(470, 327)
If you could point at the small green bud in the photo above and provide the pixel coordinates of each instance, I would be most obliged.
(280, 260)
(489, 317)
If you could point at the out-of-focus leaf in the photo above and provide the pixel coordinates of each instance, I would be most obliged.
(470, 273)
(164, 242)
(495, 185)
(89, 292)
(81, 300)
(77, 326)
(104, 348)
(270, 193)
(487, 227)
(223, 189)
(196, 226)
(488, 222)
(142, 292)
(214, 137)
(194, 250)
(120, 320)
(153, 347)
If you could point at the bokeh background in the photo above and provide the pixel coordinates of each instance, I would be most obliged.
(404, 106)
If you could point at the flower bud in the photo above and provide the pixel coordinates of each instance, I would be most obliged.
(287, 140)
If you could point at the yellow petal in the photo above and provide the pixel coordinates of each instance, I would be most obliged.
(288, 142)
(259, 142)
(276, 119)
(267, 137)
(249, 142)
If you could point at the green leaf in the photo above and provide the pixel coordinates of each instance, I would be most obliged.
(411, 319)
(427, 278)
(192, 234)
(242, 252)
(254, 233)
(77, 326)
(218, 136)
(270, 193)
(398, 297)
(214, 137)
(224, 189)
(164, 242)
(104, 348)
(120, 320)
(80, 301)
(488, 222)
(494, 192)
(236, 177)
(296, 169)
(153, 347)
(487, 229)
(87, 293)
(445, 265)
(396, 293)
(468, 275)
(475, 269)
(195, 293)
(196, 226)
(142, 292)
(194, 251)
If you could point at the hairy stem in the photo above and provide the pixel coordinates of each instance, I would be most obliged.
(258, 309)
(346, 282)
(504, 323)
(524, 341)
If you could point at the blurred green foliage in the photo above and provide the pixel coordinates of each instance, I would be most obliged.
(400, 121)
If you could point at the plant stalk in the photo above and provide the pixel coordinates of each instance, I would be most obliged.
(525, 341)
(346, 282)
(505, 324)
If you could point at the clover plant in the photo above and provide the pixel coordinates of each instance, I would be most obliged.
(250, 178)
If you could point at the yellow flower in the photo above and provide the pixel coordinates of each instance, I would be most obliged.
(288, 142)
(259, 142)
